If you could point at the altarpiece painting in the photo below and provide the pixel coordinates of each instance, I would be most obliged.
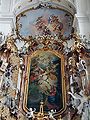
(45, 71)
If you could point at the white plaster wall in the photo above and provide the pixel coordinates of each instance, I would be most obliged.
(5, 28)
(6, 16)
(83, 16)
(85, 28)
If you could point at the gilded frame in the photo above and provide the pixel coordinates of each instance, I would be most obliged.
(29, 57)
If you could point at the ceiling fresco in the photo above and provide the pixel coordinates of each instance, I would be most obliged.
(44, 22)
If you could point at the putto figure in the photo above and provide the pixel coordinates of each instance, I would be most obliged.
(30, 114)
(51, 114)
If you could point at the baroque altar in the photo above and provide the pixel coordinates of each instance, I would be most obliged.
(44, 65)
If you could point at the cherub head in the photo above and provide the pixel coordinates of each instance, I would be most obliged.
(52, 111)
(30, 109)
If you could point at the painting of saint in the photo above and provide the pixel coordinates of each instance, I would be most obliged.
(45, 82)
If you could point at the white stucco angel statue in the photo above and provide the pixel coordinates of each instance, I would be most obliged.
(50, 113)
(30, 114)
(83, 108)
